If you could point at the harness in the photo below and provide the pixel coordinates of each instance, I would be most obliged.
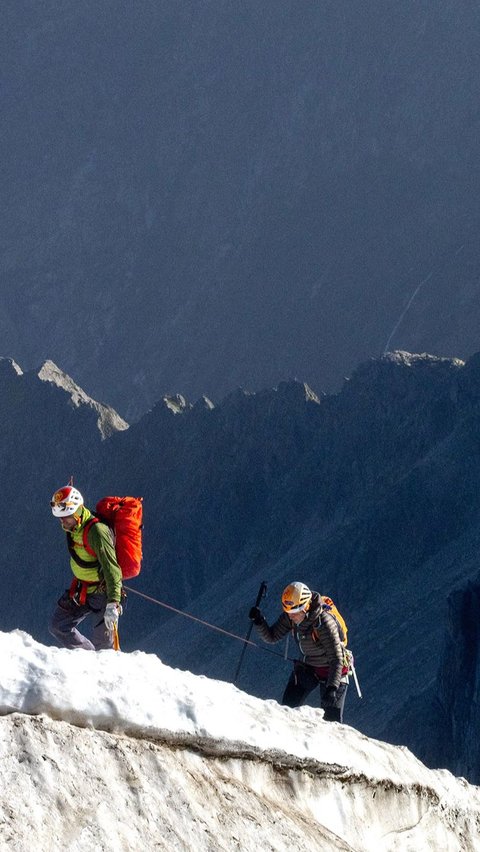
(78, 590)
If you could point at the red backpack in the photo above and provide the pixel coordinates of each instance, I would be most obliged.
(124, 517)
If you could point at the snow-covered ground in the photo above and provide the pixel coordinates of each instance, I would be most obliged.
(125, 753)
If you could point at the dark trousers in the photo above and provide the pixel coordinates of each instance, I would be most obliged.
(302, 682)
(67, 615)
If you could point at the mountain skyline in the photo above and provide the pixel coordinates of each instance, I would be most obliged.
(202, 196)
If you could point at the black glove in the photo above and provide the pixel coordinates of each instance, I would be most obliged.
(255, 615)
(329, 697)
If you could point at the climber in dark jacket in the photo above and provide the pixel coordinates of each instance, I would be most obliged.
(317, 634)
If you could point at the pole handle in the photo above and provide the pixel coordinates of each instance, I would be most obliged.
(261, 593)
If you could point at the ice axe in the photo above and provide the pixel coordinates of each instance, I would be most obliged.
(261, 594)
(116, 640)
(354, 673)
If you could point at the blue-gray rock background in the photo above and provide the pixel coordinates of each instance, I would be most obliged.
(201, 196)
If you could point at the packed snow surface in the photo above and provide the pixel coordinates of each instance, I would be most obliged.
(320, 780)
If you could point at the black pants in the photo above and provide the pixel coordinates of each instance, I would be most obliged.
(302, 682)
(68, 615)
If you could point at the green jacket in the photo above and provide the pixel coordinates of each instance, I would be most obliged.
(102, 566)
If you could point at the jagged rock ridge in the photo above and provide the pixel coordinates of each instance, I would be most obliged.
(108, 420)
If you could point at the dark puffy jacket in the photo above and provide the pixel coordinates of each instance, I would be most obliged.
(317, 637)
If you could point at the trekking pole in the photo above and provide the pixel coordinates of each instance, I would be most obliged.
(261, 594)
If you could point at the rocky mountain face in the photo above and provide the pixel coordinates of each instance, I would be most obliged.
(233, 195)
(370, 495)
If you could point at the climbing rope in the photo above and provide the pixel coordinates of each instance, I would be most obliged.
(207, 624)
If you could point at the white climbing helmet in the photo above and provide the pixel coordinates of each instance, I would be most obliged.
(66, 501)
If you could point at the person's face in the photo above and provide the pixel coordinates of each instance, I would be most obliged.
(69, 523)
(297, 617)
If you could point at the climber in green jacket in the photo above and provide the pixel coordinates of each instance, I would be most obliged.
(96, 588)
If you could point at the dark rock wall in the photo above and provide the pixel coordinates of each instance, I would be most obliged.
(441, 723)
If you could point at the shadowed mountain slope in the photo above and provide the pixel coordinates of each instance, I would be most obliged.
(370, 495)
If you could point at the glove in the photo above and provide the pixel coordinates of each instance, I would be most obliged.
(329, 697)
(112, 612)
(255, 615)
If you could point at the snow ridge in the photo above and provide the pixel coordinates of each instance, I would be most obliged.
(126, 753)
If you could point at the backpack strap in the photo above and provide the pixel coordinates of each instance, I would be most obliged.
(339, 626)
(82, 563)
(315, 630)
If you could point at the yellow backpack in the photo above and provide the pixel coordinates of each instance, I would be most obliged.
(329, 606)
